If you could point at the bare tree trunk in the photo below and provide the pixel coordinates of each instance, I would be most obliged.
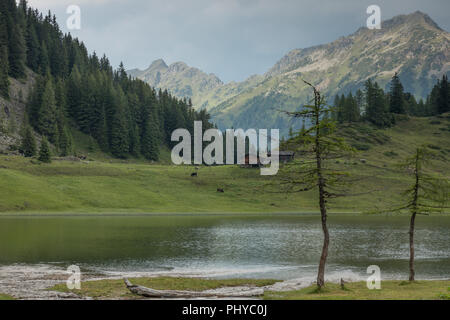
(326, 241)
(413, 219)
(411, 247)
(321, 185)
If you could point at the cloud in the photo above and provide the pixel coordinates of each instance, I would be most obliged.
(65, 3)
(232, 38)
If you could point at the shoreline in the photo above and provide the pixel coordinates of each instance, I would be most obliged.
(161, 214)
(32, 282)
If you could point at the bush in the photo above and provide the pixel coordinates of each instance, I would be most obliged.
(390, 154)
(434, 147)
(361, 146)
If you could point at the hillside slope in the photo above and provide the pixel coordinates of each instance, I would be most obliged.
(12, 111)
(117, 186)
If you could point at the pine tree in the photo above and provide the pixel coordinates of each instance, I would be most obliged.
(376, 106)
(28, 143)
(4, 80)
(74, 93)
(33, 47)
(44, 151)
(396, 96)
(443, 102)
(17, 51)
(44, 63)
(47, 120)
(65, 142)
(119, 133)
(150, 140)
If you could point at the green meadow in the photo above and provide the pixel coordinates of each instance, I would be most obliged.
(100, 184)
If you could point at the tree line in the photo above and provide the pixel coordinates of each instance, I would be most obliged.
(125, 117)
(372, 104)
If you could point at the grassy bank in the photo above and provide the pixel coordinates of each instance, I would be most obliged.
(104, 185)
(390, 290)
(5, 297)
(115, 289)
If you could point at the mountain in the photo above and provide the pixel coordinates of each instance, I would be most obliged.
(412, 45)
(180, 79)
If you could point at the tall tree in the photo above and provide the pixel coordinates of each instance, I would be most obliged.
(28, 143)
(47, 116)
(443, 99)
(33, 47)
(44, 151)
(396, 96)
(427, 194)
(317, 170)
(17, 51)
(376, 107)
(119, 133)
(4, 80)
(150, 138)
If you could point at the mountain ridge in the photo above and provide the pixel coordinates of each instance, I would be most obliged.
(411, 44)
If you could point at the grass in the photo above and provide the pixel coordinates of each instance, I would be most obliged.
(390, 290)
(116, 289)
(6, 297)
(105, 185)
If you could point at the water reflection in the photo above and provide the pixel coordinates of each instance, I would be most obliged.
(268, 246)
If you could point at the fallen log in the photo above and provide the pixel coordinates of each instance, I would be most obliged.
(152, 293)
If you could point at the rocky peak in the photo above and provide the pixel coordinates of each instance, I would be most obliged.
(178, 67)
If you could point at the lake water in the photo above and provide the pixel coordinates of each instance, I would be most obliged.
(277, 246)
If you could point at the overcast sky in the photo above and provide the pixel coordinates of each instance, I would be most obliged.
(231, 38)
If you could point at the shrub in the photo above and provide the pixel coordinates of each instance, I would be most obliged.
(434, 147)
(361, 146)
(390, 154)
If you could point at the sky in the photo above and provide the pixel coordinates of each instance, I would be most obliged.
(233, 39)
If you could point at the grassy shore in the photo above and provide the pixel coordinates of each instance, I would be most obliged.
(102, 185)
(115, 289)
(390, 290)
(5, 297)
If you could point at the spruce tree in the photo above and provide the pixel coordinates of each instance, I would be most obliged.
(65, 141)
(376, 105)
(442, 101)
(150, 140)
(17, 51)
(28, 143)
(396, 96)
(33, 47)
(47, 116)
(44, 151)
(119, 134)
(44, 63)
(4, 80)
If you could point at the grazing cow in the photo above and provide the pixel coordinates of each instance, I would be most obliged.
(220, 190)
(194, 174)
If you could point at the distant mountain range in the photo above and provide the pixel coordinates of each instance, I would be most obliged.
(412, 45)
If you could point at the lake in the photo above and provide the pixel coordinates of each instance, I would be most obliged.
(269, 246)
